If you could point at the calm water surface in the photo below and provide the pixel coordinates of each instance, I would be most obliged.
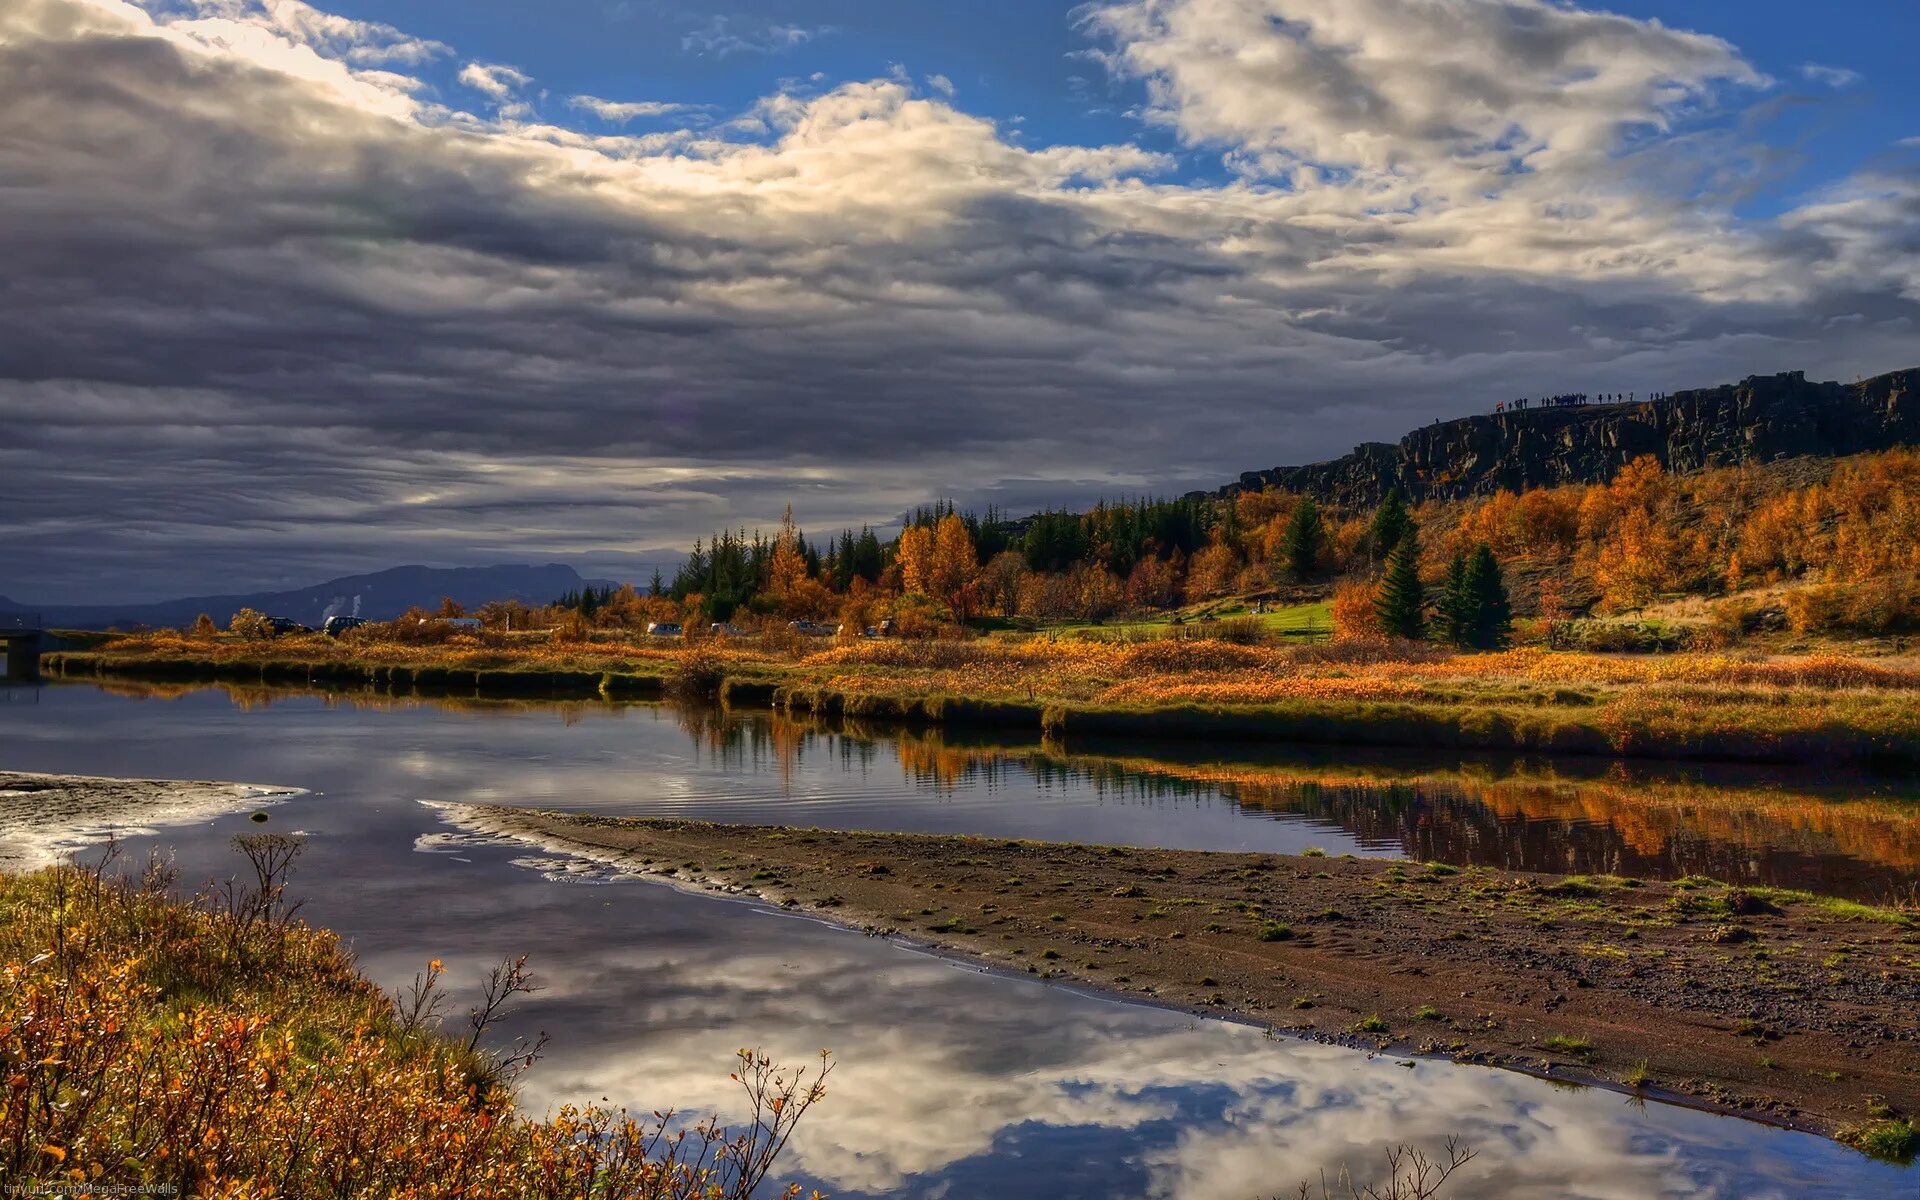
(953, 1081)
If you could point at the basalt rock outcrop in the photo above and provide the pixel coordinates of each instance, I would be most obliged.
(1761, 419)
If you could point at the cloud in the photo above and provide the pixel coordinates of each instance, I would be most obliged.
(275, 312)
(620, 111)
(723, 36)
(494, 79)
(1833, 77)
(941, 84)
(1469, 93)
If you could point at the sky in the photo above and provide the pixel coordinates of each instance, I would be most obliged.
(295, 291)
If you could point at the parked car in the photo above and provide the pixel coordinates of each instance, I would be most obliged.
(335, 626)
(287, 625)
(726, 629)
(811, 628)
(665, 629)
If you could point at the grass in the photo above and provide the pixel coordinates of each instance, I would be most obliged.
(220, 1045)
(1273, 931)
(1890, 1139)
(1674, 705)
(1574, 1047)
(1372, 1023)
(1838, 909)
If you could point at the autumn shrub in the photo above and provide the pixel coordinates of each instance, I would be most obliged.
(250, 625)
(1354, 616)
(1869, 606)
(197, 1048)
(697, 672)
(1168, 656)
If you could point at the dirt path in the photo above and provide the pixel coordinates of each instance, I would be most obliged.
(44, 818)
(1775, 1005)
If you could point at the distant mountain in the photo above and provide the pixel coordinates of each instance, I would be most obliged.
(1760, 419)
(380, 596)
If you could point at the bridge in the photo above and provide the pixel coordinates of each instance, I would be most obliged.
(20, 636)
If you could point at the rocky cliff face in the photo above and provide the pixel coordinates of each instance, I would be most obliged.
(1760, 419)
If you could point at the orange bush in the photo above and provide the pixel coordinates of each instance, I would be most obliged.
(152, 1043)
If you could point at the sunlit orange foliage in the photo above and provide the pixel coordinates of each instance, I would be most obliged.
(221, 1048)
(914, 555)
(1211, 572)
(1354, 612)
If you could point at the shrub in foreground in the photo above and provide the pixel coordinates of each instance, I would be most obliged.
(222, 1047)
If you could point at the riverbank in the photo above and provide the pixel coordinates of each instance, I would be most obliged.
(1775, 1005)
(45, 818)
(1814, 708)
(219, 1046)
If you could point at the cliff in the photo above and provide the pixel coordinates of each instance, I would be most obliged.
(1760, 419)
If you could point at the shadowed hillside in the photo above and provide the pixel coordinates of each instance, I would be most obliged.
(1760, 419)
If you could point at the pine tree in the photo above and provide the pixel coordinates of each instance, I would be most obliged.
(1391, 524)
(1456, 610)
(1300, 551)
(1492, 608)
(659, 586)
(1401, 602)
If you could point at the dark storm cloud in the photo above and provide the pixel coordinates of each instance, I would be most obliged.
(269, 314)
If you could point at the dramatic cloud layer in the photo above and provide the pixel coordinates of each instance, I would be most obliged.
(279, 304)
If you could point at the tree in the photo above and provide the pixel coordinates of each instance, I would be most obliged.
(914, 554)
(1354, 615)
(953, 564)
(1492, 609)
(1401, 601)
(788, 567)
(250, 624)
(1301, 550)
(203, 626)
(1456, 609)
(1391, 524)
(449, 607)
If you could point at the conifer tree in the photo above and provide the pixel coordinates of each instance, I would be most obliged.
(1492, 608)
(1391, 524)
(1456, 610)
(1300, 552)
(1401, 602)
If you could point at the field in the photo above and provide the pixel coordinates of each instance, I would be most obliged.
(1814, 707)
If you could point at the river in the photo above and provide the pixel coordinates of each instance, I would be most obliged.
(951, 1080)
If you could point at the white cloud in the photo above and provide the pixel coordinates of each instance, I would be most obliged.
(1470, 92)
(494, 79)
(1833, 77)
(620, 111)
(941, 84)
(723, 36)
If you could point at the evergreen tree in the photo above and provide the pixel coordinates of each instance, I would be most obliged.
(1391, 524)
(868, 557)
(1456, 611)
(1401, 602)
(659, 586)
(1492, 610)
(1300, 553)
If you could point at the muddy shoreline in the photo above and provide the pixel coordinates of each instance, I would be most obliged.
(1769, 1005)
(46, 818)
